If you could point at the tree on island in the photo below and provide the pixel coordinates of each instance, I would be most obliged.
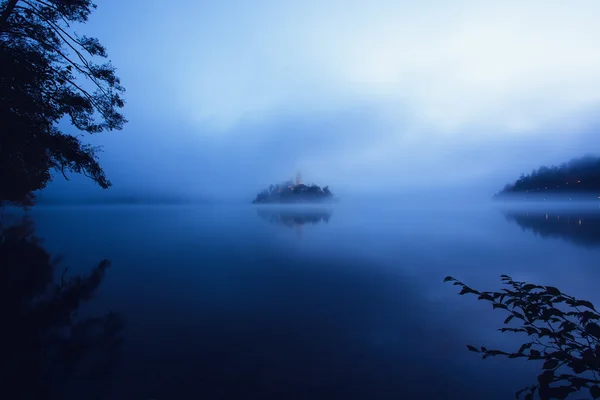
(581, 175)
(42, 61)
(290, 192)
(563, 332)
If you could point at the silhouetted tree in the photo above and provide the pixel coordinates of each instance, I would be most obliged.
(44, 345)
(581, 175)
(563, 333)
(289, 192)
(40, 63)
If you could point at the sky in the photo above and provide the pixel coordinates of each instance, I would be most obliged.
(380, 96)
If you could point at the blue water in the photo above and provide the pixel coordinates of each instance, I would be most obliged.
(344, 302)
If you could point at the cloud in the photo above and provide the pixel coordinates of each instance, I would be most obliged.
(367, 94)
(510, 65)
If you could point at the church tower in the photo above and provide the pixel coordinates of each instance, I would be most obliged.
(298, 179)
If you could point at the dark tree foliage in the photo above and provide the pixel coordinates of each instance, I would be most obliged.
(581, 175)
(562, 331)
(44, 346)
(48, 74)
(288, 192)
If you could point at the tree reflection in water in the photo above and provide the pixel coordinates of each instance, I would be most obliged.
(581, 228)
(294, 217)
(47, 351)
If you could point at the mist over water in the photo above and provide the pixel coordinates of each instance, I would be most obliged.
(342, 300)
(459, 141)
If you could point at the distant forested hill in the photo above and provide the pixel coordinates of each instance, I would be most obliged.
(578, 176)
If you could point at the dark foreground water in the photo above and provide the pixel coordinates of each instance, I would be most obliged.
(346, 302)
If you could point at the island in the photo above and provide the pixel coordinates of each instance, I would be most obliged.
(294, 192)
(576, 179)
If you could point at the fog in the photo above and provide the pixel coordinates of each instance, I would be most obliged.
(368, 97)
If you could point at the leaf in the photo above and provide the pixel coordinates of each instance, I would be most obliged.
(466, 290)
(531, 330)
(553, 291)
(588, 356)
(485, 296)
(546, 377)
(545, 332)
(593, 329)
(550, 364)
(518, 315)
(498, 305)
(510, 301)
(586, 316)
(449, 279)
(584, 303)
(472, 348)
(595, 391)
(534, 354)
(507, 320)
(523, 347)
(512, 330)
(577, 366)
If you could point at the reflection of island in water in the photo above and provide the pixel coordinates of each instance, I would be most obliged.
(582, 228)
(47, 351)
(295, 218)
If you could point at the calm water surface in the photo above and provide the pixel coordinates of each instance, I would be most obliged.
(345, 302)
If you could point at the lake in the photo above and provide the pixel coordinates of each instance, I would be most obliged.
(338, 302)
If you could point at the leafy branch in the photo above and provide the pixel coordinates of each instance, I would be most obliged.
(43, 63)
(563, 332)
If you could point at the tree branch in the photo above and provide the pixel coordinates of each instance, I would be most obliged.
(56, 25)
(10, 6)
(62, 170)
(98, 107)
(55, 9)
(59, 31)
